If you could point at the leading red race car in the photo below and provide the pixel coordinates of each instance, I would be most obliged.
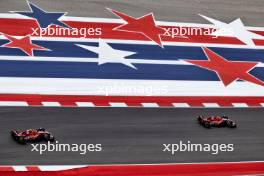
(32, 135)
(216, 121)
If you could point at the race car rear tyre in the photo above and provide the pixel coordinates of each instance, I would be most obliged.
(224, 116)
(21, 140)
(41, 129)
(207, 125)
(13, 134)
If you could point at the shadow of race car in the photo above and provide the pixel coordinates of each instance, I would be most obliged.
(216, 121)
(32, 135)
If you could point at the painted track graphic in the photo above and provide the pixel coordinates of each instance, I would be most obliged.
(132, 61)
(189, 169)
(251, 13)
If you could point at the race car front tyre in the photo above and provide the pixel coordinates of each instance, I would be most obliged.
(49, 137)
(231, 124)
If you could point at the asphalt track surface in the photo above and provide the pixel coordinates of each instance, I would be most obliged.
(136, 135)
(251, 11)
(131, 135)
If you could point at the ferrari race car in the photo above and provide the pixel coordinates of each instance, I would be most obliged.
(32, 135)
(216, 121)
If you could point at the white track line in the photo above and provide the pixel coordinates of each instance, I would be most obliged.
(170, 43)
(20, 168)
(51, 104)
(211, 105)
(74, 86)
(118, 104)
(181, 105)
(60, 167)
(240, 105)
(95, 60)
(150, 105)
(85, 104)
(13, 103)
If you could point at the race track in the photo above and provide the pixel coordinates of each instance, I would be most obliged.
(131, 135)
(251, 11)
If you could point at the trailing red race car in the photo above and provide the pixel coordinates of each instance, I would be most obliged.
(32, 135)
(216, 121)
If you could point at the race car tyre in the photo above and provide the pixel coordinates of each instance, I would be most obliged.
(207, 125)
(231, 124)
(13, 134)
(21, 140)
(49, 137)
(199, 119)
(41, 129)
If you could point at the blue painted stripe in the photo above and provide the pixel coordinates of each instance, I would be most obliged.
(109, 71)
(151, 52)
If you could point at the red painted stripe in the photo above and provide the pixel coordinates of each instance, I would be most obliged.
(21, 27)
(254, 104)
(210, 169)
(101, 103)
(133, 104)
(33, 168)
(165, 104)
(68, 103)
(6, 168)
(174, 170)
(33, 173)
(70, 100)
(225, 104)
(34, 103)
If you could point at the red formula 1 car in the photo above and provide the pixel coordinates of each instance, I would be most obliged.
(32, 135)
(216, 121)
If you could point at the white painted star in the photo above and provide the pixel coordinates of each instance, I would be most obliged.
(106, 54)
(237, 28)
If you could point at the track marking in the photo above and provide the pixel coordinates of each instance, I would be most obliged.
(70, 86)
(240, 105)
(181, 105)
(159, 169)
(85, 104)
(150, 105)
(13, 103)
(60, 167)
(211, 105)
(127, 101)
(50, 104)
(262, 104)
(20, 168)
(118, 104)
